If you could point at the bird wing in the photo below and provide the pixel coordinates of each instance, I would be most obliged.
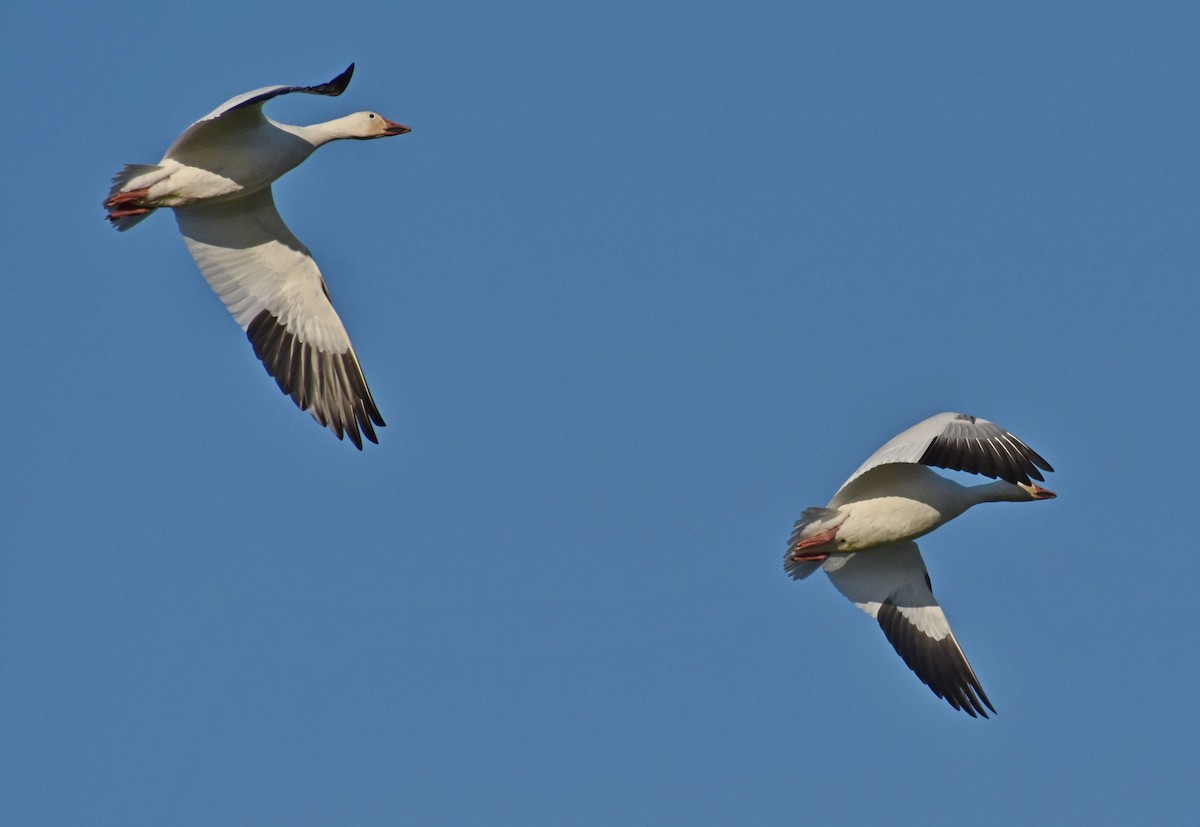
(891, 584)
(246, 108)
(270, 283)
(960, 442)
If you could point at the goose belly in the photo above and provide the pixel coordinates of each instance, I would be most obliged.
(180, 185)
(884, 520)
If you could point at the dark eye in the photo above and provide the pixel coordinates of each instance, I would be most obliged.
(372, 115)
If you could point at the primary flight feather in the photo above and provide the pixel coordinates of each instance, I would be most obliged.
(217, 178)
(864, 537)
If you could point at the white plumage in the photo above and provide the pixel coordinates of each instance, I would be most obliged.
(217, 178)
(864, 537)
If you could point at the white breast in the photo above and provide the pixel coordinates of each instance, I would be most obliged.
(895, 502)
(883, 520)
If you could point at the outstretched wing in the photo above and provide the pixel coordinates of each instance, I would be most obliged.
(891, 584)
(248, 106)
(270, 283)
(960, 442)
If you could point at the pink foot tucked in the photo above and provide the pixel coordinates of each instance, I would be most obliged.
(113, 215)
(814, 541)
(126, 197)
(817, 539)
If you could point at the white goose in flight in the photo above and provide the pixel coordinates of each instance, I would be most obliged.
(864, 537)
(217, 178)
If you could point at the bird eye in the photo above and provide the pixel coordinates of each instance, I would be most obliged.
(371, 115)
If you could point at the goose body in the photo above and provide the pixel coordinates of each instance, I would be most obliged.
(863, 538)
(217, 178)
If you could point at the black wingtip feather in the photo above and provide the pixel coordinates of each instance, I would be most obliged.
(939, 664)
(336, 86)
(988, 450)
(331, 387)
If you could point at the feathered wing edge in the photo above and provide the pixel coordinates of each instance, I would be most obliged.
(978, 446)
(333, 87)
(891, 584)
(960, 442)
(268, 280)
(330, 386)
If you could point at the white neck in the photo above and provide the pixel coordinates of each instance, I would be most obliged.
(319, 134)
(995, 492)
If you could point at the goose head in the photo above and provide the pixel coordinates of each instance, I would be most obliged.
(363, 126)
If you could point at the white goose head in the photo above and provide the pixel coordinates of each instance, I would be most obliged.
(360, 126)
(363, 126)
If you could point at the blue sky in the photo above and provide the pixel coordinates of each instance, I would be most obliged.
(645, 280)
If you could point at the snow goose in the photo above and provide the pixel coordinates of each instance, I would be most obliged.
(217, 178)
(892, 499)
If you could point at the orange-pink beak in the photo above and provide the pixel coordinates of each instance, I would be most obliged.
(1036, 492)
(394, 128)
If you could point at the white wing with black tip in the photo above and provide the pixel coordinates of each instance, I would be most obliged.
(960, 442)
(248, 105)
(270, 283)
(891, 584)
